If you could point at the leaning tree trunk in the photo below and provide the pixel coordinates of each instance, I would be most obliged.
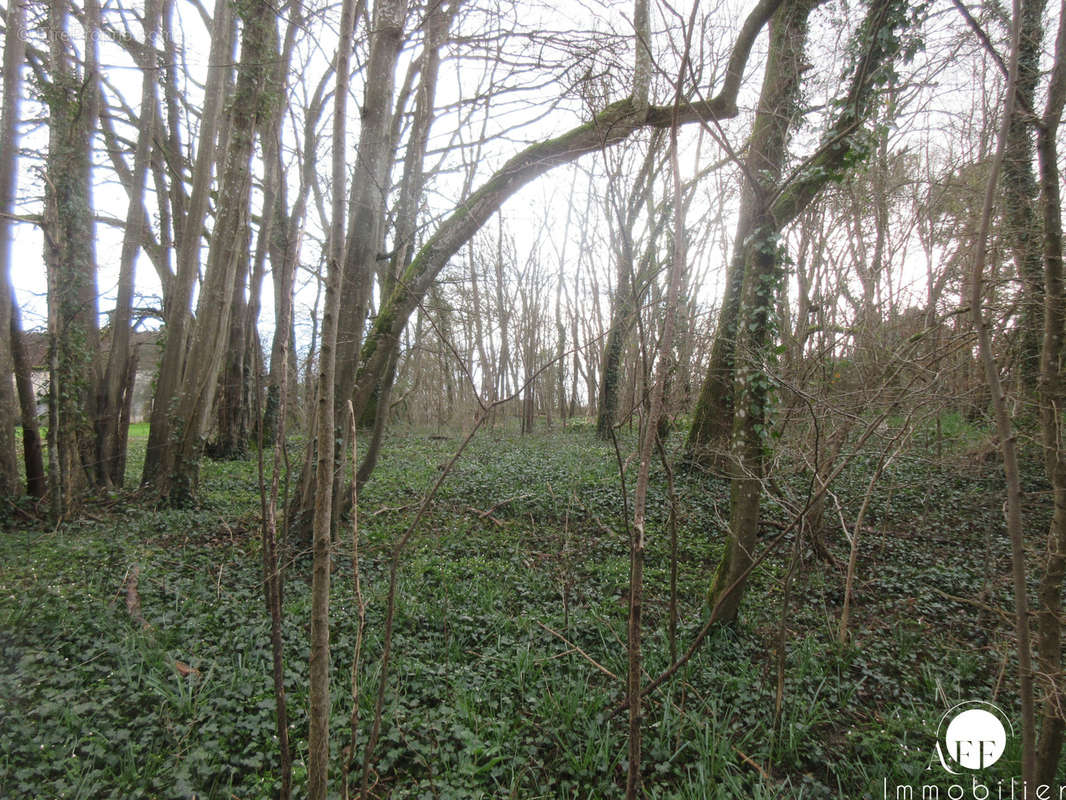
(70, 259)
(14, 49)
(762, 275)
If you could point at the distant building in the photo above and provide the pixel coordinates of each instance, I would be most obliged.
(147, 345)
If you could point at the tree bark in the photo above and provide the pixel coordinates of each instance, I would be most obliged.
(178, 477)
(778, 204)
(1019, 191)
(111, 435)
(70, 259)
(1052, 394)
(319, 699)
(14, 49)
(33, 454)
(189, 228)
(1004, 426)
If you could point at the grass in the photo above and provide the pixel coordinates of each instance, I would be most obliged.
(484, 699)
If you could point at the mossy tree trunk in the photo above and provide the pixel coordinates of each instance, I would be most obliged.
(1052, 396)
(70, 259)
(758, 269)
(1019, 192)
(712, 419)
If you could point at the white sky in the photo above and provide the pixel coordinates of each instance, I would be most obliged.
(588, 21)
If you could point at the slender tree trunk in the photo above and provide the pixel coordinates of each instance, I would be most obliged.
(14, 49)
(412, 184)
(373, 162)
(322, 525)
(284, 252)
(110, 432)
(1004, 426)
(33, 454)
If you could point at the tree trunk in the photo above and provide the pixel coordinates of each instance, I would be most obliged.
(712, 419)
(177, 480)
(14, 49)
(1019, 191)
(284, 252)
(1004, 425)
(322, 518)
(110, 431)
(1052, 395)
(763, 274)
(70, 259)
(189, 228)
(33, 455)
(412, 184)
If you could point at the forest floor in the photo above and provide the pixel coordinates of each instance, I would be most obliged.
(515, 583)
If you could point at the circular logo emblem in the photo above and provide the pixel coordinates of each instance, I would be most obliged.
(972, 736)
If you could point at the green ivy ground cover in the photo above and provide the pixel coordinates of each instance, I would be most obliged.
(524, 547)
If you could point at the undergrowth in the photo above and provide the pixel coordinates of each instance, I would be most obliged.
(509, 649)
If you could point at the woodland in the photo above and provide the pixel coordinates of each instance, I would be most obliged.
(530, 398)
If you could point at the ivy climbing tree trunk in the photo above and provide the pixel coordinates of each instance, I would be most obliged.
(761, 276)
(1019, 191)
(712, 419)
(777, 203)
(1052, 396)
(70, 259)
